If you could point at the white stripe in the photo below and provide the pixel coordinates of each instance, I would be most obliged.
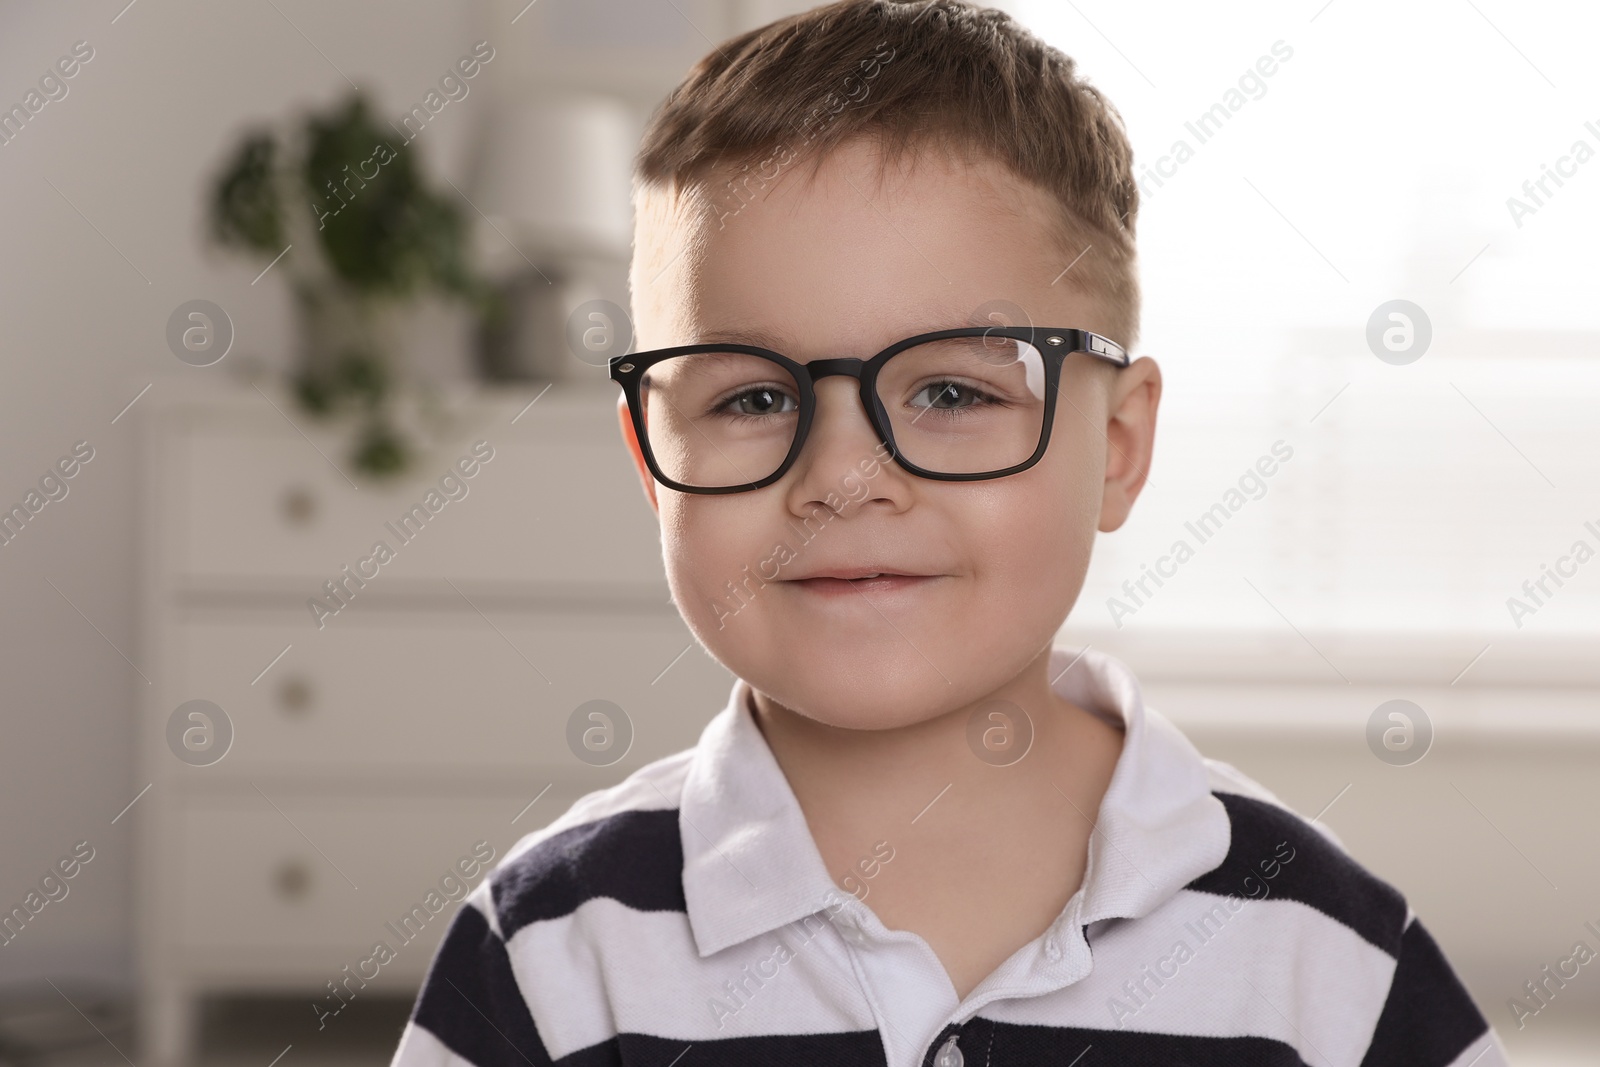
(1309, 968)
(419, 1048)
(607, 967)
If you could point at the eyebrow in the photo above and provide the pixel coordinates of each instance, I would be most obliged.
(741, 335)
(760, 338)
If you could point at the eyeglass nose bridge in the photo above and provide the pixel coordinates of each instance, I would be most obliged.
(849, 366)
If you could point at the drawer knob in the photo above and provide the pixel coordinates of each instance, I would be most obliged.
(295, 695)
(299, 505)
(292, 880)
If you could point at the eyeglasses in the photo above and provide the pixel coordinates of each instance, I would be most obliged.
(952, 405)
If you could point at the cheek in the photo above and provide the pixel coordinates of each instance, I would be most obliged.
(707, 542)
(1051, 514)
(1036, 566)
(1075, 465)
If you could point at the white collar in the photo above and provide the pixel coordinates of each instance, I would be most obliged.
(750, 865)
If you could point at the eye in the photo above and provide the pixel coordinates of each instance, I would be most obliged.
(949, 394)
(760, 400)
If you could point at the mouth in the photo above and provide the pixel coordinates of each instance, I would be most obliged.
(880, 582)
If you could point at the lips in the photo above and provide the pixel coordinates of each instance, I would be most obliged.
(870, 582)
(858, 573)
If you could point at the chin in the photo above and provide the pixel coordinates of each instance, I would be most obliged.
(846, 708)
(868, 692)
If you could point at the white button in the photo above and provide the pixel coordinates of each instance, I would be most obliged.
(949, 1056)
(1052, 949)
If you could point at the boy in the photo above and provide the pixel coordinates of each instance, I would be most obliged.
(884, 288)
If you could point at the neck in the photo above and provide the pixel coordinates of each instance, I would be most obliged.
(926, 782)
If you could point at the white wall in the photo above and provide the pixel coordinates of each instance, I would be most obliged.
(132, 147)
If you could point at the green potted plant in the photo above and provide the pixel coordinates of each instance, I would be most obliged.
(374, 237)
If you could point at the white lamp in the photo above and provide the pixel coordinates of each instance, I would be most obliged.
(554, 184)
(556, 178)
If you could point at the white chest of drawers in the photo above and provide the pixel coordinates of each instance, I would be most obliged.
(375, 746)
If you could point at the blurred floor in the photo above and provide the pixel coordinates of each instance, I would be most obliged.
(247, 1032)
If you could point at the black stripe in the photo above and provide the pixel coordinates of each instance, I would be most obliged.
(633, 857)
(1319, 875)
(1017, 1045)
(850, 1048)
(1429, 1017)
(471, 1002)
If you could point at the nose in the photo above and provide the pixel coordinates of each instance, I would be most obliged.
(840, 444)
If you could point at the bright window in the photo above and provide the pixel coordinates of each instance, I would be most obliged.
(1374, 162)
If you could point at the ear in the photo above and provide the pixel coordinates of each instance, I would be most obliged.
(631, 439)
(1130, 434)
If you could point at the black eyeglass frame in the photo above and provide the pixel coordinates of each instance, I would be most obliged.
(1053, 345)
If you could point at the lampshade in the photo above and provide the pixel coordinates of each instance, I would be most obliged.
(556, 174)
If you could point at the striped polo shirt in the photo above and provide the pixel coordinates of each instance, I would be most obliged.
(684, 916)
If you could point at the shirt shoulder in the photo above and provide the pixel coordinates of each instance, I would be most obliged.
(620, 842)
(1276, 853)
(1422, 1012)
(490, 999)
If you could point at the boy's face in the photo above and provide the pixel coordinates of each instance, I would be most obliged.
(839, 265)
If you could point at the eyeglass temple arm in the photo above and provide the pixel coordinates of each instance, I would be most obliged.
(1103, 348)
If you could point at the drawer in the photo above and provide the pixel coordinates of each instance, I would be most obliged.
(438, 693)
(284, 881)
(560, 501)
